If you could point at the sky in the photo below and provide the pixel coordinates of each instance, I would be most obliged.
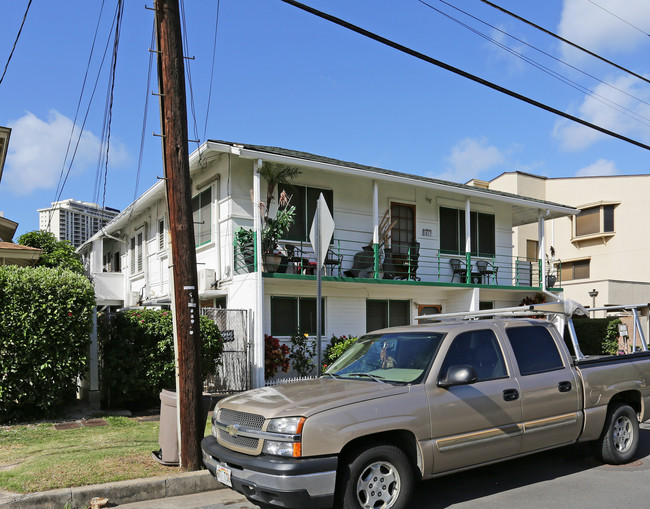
(279, 76)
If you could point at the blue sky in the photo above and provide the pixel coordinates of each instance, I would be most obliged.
(285, 78)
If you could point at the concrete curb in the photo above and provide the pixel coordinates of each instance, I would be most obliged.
(122, 492)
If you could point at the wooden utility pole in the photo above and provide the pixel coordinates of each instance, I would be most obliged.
(173, 118)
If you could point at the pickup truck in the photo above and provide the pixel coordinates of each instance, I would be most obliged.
(416, 402)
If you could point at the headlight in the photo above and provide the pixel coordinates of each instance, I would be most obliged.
(289, 442)
(289, 425)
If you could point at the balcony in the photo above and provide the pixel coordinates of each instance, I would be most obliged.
(377, 263)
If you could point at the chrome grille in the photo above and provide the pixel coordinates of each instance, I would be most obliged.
(245, 420)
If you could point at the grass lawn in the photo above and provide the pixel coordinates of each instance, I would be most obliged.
(39, 457)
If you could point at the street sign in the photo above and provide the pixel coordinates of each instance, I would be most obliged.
(326, 230)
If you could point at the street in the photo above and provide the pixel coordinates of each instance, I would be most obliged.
(567, 477)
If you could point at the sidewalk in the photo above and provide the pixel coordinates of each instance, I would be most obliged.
(123, 492)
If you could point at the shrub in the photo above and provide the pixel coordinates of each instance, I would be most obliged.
(276, 356)
(302, 353)
(596, 336)
(137, 355)
(45, 325)
(337, 346)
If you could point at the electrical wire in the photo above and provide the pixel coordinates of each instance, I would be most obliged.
(214, 52)
(460, 72)
(619, 18)
(564, 79)
(15, 42)
(560, 38)
(189, 76)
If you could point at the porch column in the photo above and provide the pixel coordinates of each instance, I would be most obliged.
(541, 235)
(375, 212)
(257, 372)
(468, 239)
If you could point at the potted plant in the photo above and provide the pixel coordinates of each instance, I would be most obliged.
(246, 246)
(273, 230)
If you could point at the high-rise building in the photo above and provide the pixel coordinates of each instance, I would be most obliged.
(74, 221)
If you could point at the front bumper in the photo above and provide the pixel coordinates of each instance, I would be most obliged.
(285, 482)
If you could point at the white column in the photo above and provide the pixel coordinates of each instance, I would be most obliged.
(541, 235)
(375, 212)
(257, 372)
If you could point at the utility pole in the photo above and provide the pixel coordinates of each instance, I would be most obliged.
(173, 119)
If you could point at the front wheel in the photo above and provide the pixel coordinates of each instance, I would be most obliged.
(380, 477)
(620, 437)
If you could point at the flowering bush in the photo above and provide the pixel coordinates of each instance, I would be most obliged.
(302, 353)
(276, 356)
(338, 345)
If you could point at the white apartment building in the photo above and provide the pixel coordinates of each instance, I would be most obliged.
(74, 221)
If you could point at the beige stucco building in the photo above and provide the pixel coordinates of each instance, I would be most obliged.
(605, 248)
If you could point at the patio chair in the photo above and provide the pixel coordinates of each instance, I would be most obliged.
(458, 267)
(487, 270)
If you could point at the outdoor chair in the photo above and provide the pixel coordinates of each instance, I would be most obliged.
(487, 270)
(458, 267)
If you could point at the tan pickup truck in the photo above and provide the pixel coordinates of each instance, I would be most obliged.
(412, 403)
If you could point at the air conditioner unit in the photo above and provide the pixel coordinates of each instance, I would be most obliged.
(207, 278)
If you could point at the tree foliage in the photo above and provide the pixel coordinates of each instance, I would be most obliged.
(45, 325)
(137, 355)
(56, 253)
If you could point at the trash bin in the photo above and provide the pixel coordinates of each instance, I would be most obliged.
(168, 430)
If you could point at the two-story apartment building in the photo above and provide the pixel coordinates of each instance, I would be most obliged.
(403, 245)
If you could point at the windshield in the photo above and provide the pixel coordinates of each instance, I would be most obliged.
(396, 357)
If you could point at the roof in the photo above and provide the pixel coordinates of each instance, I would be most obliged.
(525, 209)
(16, 254)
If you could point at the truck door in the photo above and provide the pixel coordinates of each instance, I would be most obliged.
(549, 389)
(478, 422)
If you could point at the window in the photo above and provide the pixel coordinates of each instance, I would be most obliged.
(403, 233)
(452, 232)
(532, 250)
(305, 199)
(534, 349)
(387, 313)
(136, 254)
(202, 216)
(295, 314)
(161, 235)
(577, 269)
(429, 309)
(479, 349)
(116, 262)
(595, 220)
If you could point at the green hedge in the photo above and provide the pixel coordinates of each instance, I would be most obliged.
(45, 325)
(596, 336)
(137, 355)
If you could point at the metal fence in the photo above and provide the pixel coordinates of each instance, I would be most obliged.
(233, 372)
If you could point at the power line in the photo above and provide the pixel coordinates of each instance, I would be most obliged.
(619, 18)
(214, 52)
(460, 72)
(564, 79)
(560, 38)
(15, 42)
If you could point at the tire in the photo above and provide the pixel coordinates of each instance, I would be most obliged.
(380, 477)
(620, 438)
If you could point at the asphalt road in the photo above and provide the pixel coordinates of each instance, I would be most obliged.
(567, 477)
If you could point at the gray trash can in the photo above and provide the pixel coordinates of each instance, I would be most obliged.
(168, 430)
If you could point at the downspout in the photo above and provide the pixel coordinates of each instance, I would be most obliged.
(541, 252)
(258, 326)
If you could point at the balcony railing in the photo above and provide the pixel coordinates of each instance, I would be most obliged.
(353, 261)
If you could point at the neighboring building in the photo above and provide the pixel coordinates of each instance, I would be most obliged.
(15, 254)
(439, 230)
(74, 221)
(604, 248)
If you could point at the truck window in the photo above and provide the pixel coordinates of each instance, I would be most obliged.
(535, 350)
(479, 349)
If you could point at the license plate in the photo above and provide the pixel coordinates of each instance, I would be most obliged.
(223, 476)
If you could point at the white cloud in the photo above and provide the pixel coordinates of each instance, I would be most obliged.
(623, 118)
(468, 158)
(591, 27)
(38, 147)
(600, 168)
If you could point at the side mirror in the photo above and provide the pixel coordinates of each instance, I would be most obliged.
(460, 374)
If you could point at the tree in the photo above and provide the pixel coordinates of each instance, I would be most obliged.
(275, 174)
(56, 253)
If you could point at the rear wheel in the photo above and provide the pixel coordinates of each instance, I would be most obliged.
(380, 477)
(620, 437)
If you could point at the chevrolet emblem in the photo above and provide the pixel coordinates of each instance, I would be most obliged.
(232, 430)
